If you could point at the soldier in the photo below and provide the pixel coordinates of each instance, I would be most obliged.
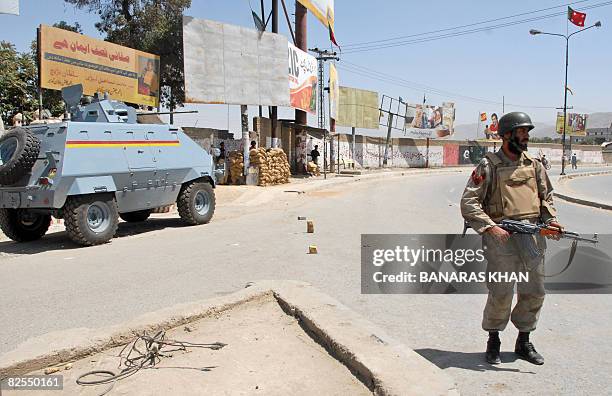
(510, 184)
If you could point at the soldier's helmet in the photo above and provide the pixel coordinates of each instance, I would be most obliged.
(511, 121)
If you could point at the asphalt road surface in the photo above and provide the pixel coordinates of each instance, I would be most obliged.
(52, 284)
(597, 188)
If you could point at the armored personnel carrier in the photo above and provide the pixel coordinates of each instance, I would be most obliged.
(96, 166)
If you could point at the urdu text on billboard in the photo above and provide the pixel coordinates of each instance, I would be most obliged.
(303, 80)
(69, 58)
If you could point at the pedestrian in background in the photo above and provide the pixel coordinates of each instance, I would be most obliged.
(574, 161)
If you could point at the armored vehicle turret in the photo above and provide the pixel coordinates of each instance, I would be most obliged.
(95, 166)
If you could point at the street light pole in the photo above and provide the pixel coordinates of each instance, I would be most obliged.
(564, 106)
(533, 32)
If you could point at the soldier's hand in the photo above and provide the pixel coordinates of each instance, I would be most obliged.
(499, 234)
(554, 224)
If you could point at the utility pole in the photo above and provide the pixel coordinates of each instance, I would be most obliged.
(263, 18)
(274, 117)
(244, 122)
(323, 56)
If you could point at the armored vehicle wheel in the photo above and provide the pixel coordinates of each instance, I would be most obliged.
(135, 217)
(196, 202)
(18, 152)
(91, 219)
(22, 225)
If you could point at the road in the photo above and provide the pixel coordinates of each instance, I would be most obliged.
(52, 284)
(597, 188)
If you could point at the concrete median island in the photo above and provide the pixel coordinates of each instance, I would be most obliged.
(282, 337)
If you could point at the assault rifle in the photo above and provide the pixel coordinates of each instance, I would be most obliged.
(518, 227)
(524, 232)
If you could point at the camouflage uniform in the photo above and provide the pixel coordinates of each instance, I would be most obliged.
(498, 189)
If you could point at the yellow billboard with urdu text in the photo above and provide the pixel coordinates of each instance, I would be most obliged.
(68, 58)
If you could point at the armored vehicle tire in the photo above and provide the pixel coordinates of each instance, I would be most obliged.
(196, 202)
(22, 225)
(18, 152)
(91, 219)
(135, 217)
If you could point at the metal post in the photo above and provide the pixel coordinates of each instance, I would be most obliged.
(244, 121)
(263, 18)
(38, 63)
(353, 143)
(388, 138)
(338, 157)
(325, 154)
(301, 43)
(427, 155)
(274, 138)
(503, 105)
(564, 107)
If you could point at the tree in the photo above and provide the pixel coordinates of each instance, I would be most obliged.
(154, 26)
(18, 82)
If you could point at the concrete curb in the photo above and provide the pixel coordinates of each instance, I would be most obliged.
(576, 199)
(384, 365)
(335, 181)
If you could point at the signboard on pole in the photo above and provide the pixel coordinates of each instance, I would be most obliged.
(69, 58)
(334, 91)
(424, 120)
(576, 124)
(322, 9)
(358, 108)
(303, 80)
(233, 64)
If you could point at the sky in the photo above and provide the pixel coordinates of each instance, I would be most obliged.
(472, 70)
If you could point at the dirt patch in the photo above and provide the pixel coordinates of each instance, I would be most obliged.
(324, 194)
(267, 351)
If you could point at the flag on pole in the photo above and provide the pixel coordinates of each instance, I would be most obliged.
(483, 117)
(330, 26)
(575, 17)
(9, 7)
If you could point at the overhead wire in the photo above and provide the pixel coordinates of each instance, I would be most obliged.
(377, 75)
(369, 47)
(387, 78)
(461, 26)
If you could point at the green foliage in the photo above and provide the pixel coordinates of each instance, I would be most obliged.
(153, 26)
(18, 81)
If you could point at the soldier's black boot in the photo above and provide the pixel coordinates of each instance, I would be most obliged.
(526, 350)
(493, 344)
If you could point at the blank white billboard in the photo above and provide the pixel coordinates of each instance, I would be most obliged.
(234, 65)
